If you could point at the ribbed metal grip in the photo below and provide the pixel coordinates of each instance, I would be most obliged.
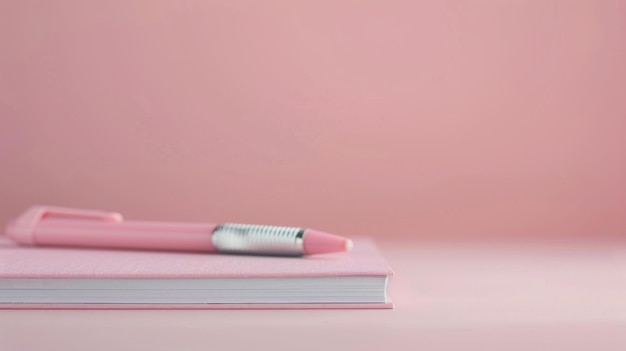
(258, 239)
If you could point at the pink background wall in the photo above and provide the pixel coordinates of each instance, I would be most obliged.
(387, 118)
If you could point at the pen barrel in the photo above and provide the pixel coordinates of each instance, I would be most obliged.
(171, 236)
(259, 239)
(166, 236)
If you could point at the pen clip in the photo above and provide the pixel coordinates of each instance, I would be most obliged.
(22, 229)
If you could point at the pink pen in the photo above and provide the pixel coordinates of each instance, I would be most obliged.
(59, 226)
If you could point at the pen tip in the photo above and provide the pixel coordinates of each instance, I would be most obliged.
(319, 243)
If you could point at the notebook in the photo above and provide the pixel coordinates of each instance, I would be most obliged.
(99, 279)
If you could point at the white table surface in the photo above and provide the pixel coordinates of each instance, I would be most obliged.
(448, 296)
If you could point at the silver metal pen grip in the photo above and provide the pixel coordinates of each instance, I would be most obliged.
(258, 239)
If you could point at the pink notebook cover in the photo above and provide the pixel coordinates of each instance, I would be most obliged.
(28, 262)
